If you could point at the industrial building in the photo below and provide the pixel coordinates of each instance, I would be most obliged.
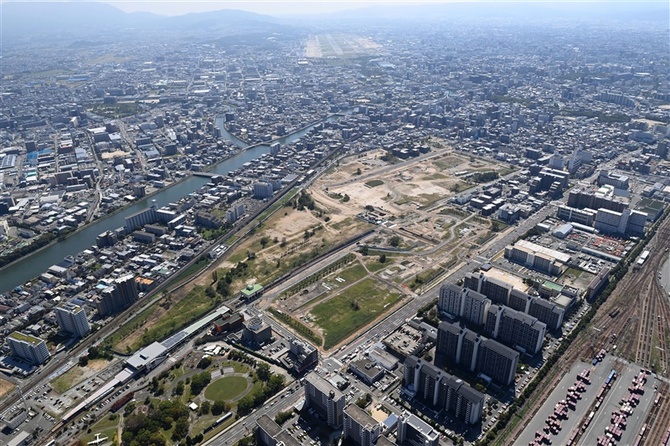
(537, 257)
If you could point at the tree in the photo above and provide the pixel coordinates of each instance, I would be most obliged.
(205, 362)
(395, 241)
(245, 405)
(283, 417)
(180, 429)
(264, 242)
(263, 372)
(199, 382)
(274, 384)
(364, 250)
(382, 258)
(219, 407)
(179, 388)
(362, 402)
(247, 441)
(205, 407)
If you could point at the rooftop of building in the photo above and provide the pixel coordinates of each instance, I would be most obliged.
(359, 415)
(323, 386)
(419, 425)
(25, 338)
(252, 289)
(268, 425)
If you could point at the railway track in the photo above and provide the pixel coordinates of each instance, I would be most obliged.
(639, 328)
(658, 420)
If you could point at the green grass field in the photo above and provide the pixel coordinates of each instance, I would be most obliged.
(227, 388)
(190, 271)
(338, 316)
(191, 307)
(374, 183)
(352, 274)
(105, 427)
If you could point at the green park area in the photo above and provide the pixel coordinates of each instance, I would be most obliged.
(227, 388)
(353, 308)
(161, 319)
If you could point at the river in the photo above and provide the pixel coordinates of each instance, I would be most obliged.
(38, 262)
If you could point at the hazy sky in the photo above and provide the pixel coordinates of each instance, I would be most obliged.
(276, 7)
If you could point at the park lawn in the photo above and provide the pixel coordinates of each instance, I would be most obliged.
(338, 317)
(373, 264)
(237, 366)
(105, 427)
(353, 273)
(227, 388)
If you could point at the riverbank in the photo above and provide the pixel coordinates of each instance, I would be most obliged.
(32, 265)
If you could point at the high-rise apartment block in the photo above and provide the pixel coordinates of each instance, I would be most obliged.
(502, 293)
(120, 294)
(442, 391)
(72, 319)
(325, 399)
(475, 353)
(359, 427)
(466, 303)
(413, 431)
(28, 348)
(515, 329)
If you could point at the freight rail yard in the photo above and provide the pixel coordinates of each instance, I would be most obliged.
(596, 398)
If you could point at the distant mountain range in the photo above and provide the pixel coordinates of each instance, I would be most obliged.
(529, 10)
(78, 19)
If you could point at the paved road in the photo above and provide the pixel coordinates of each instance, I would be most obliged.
(333, 362)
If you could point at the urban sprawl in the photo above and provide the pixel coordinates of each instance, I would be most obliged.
(344, 233)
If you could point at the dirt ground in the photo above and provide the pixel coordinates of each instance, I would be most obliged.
(78, 374)
(396, 189)
(5, 387)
